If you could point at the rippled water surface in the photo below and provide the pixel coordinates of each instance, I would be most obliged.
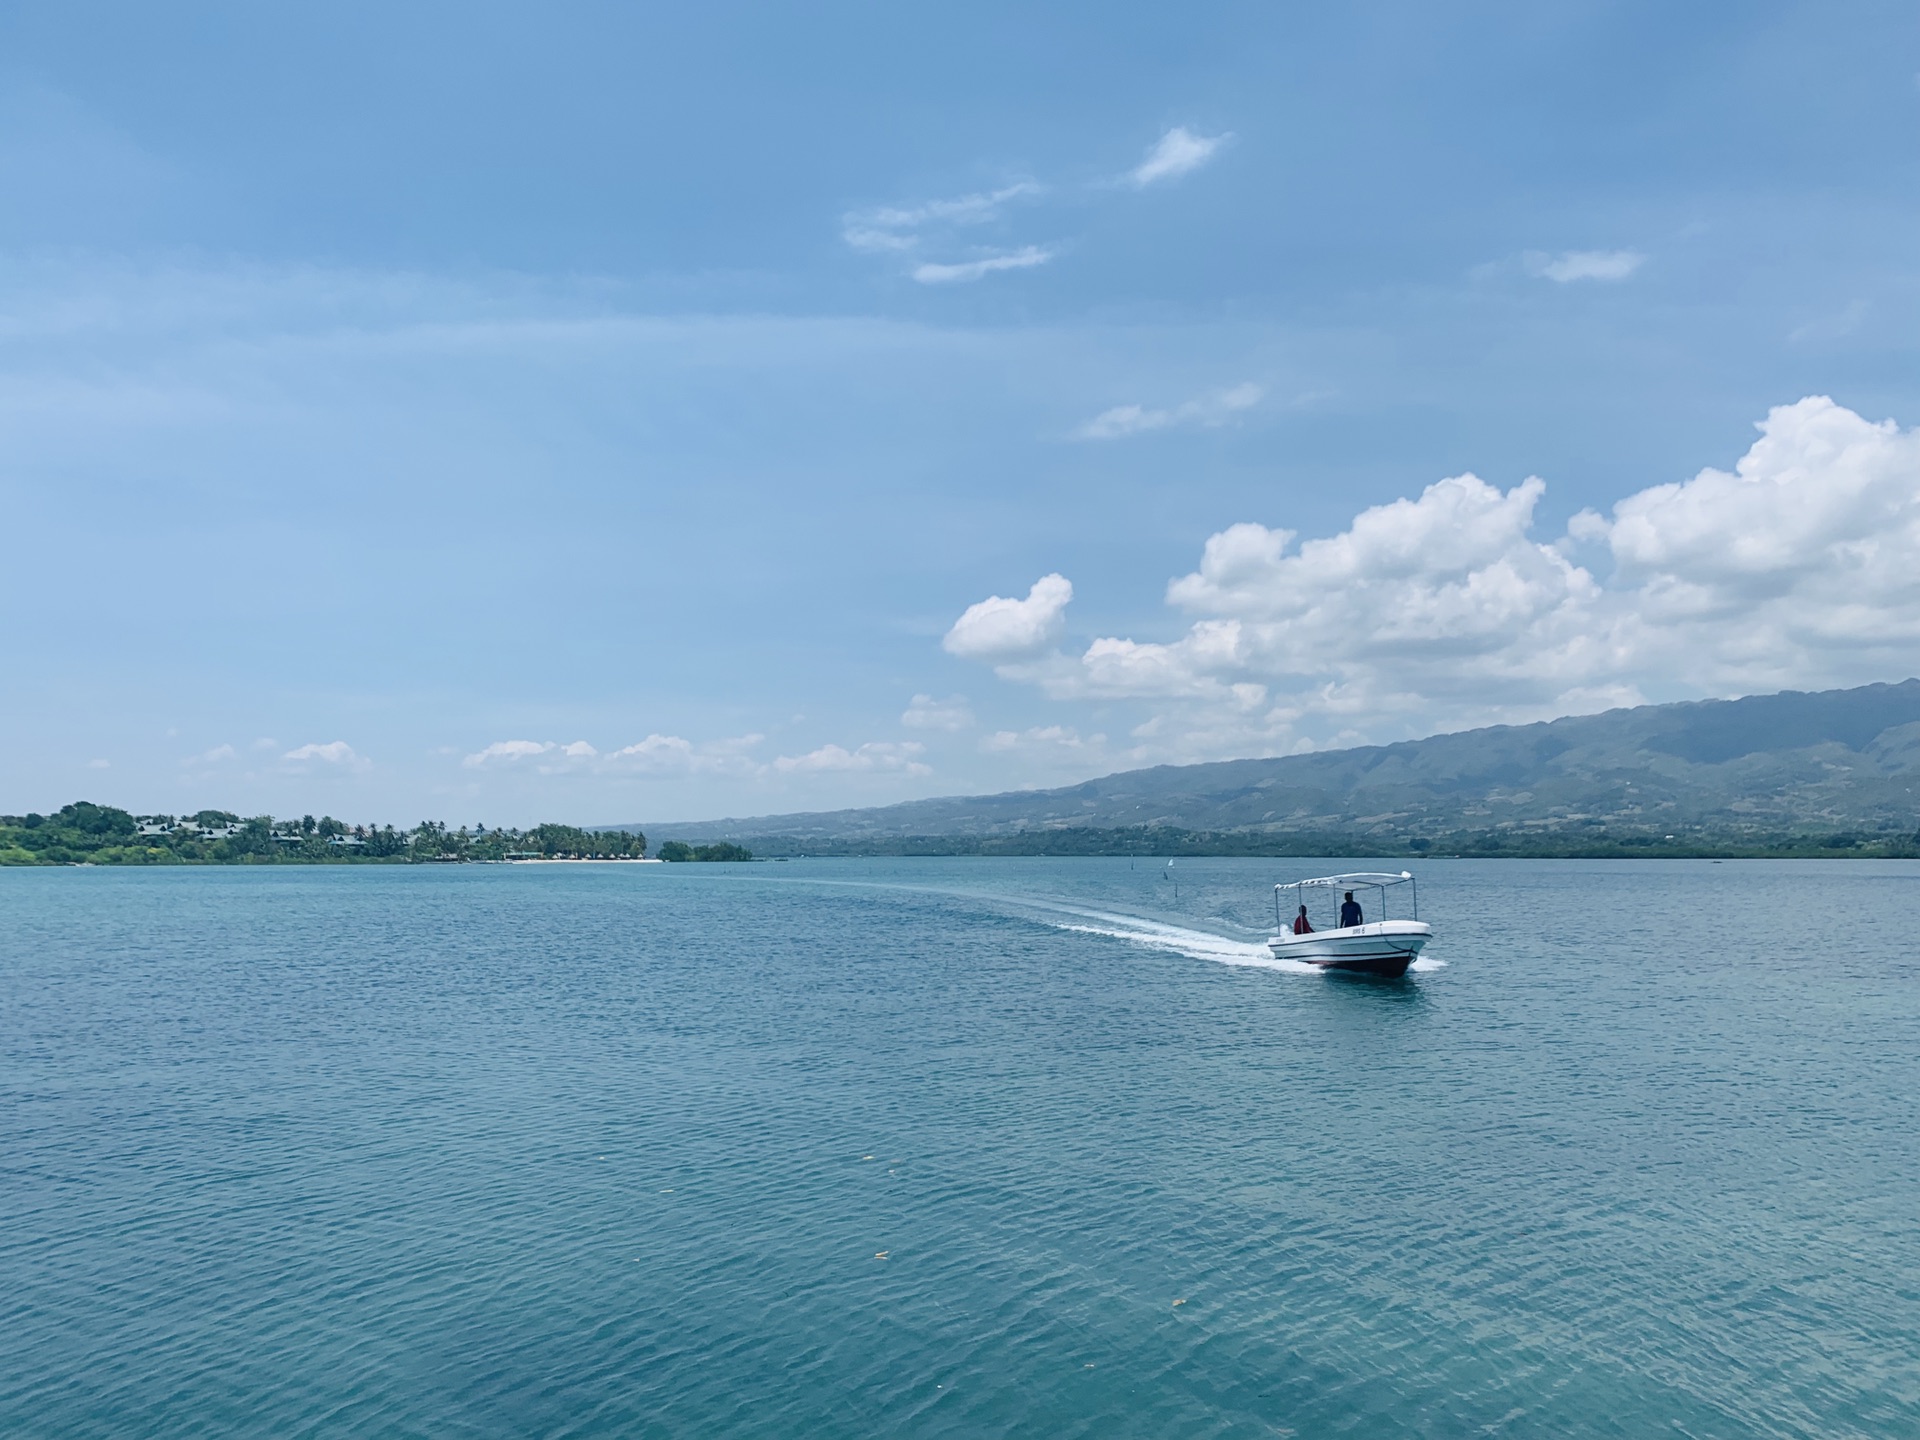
(969, 1148)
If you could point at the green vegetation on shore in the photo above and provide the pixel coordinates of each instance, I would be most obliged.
(1157, 840)
(85, 833)
(680, 850)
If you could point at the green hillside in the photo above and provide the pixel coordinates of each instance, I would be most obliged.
(1831, 772)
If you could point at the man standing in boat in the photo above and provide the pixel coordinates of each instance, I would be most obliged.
(1350, 912)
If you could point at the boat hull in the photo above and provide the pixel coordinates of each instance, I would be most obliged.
(1386, 949)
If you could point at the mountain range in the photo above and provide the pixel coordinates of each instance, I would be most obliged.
(1825, 772)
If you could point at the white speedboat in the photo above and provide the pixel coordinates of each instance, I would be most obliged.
(1376, 947)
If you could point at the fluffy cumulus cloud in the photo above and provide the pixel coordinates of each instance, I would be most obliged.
(1208, 410)
(1176, 153)
(1571, 265)
(1000, 628)
(1800, 567)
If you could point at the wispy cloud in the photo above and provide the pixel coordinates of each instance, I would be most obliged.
(334, 752)
(508, 751)
(1208, 410)
(934, 225)
(672, 755)
(876, 241)
(875, 755)
(666, 755)
(1571, 265)
(1040, 739)
(923, 712)
(1178, 152)
(894, 227)
(969, 270)
(898, 227)
(1832, 327)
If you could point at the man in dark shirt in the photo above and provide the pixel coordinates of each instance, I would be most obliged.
(1350, 912)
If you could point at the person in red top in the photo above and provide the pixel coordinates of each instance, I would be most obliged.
(1300, 925)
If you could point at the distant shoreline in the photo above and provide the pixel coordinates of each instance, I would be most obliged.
(1165, 844)
(574, 860)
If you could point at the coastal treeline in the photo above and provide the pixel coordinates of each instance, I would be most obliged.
(85, 833)
(1169, 841)
(724, 850)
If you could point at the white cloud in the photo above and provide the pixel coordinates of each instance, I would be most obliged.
(99, 764)
(923, 712)
(1176, 153)
(1572, 265)
(333, 752)
(1040, 738)
(507, 751)
(875, 241)
(967, 271)
(961, 210)
(672, 755)
(213, 756)
(668, 754)
(876, 755)
(896, 227)
(1801, 567)
(1208, 410)
(1801, 564)
(1001, 628)
(656, 755)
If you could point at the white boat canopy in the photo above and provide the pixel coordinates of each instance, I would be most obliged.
(1377, 879)
(1359, 877)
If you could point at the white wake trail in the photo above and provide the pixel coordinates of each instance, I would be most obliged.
(1195, 944)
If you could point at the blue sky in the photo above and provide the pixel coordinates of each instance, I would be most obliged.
(604, 413)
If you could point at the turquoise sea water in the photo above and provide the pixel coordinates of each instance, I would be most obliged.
(617, 1150)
